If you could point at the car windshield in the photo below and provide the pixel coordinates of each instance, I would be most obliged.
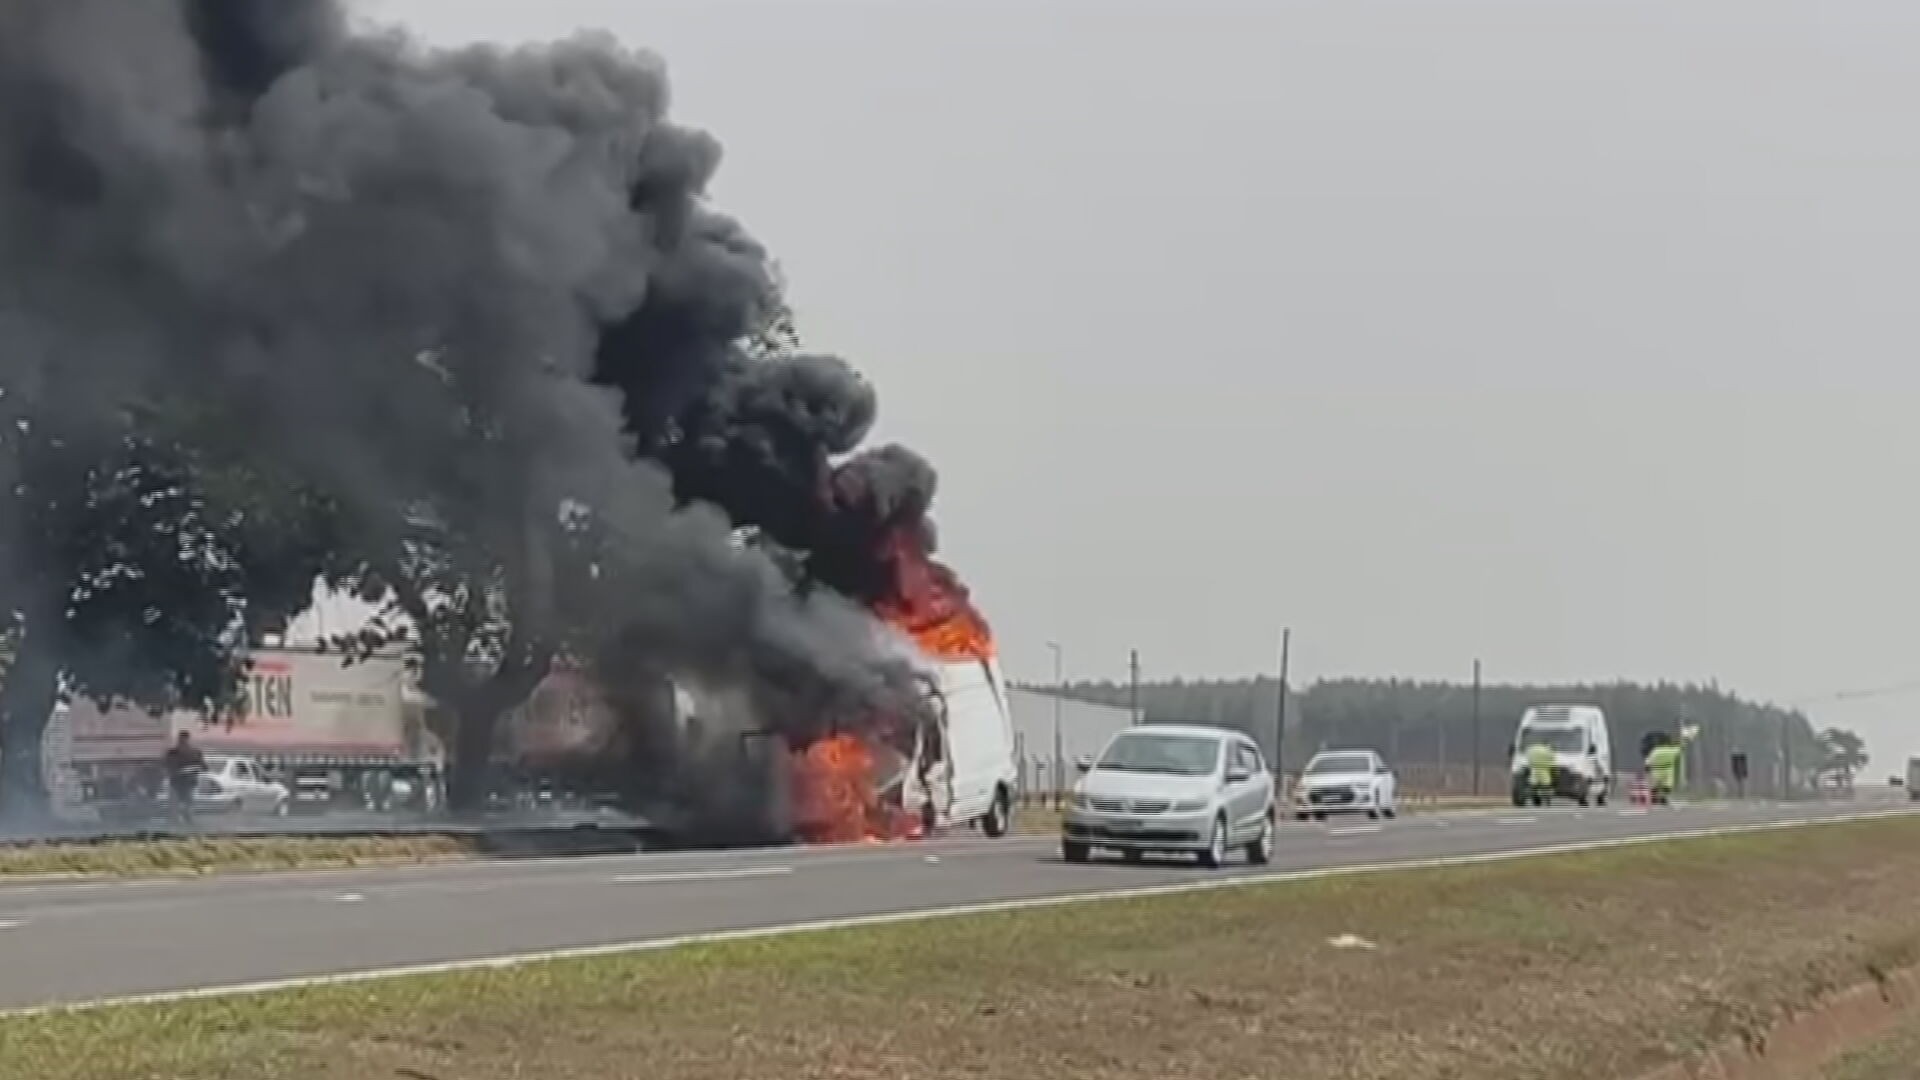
(1564, 740)
(1339, 763)
(1178, 755)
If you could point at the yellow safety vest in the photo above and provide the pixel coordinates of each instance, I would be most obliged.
(1540, 761)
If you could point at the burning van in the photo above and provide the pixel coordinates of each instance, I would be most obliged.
(963, 769)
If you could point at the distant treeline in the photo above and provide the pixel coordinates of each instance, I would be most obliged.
(1432, 723)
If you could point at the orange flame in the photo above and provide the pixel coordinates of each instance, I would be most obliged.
(834, 796)
(930, 604)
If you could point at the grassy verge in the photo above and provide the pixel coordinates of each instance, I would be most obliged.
(212, 854)
(1602, 964)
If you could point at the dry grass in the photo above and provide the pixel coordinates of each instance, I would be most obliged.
(1595, 965)
(213, 854)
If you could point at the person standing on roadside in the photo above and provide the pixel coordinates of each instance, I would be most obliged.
(1663, 771)
(184, 763)
(1540, 765)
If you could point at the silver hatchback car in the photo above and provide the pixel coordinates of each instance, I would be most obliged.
(1173, 788)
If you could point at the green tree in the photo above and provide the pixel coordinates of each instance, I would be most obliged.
(138, 565)
(1846, 753)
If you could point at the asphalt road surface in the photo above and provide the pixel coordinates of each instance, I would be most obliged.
(73, 942)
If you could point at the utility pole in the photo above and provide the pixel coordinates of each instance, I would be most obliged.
(1059, 691)
(1133, 685)
(1280, 712)
(1476, 727)
(1786, 756)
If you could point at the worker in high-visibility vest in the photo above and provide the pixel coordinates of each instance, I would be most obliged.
(1540, 762)
(1663, 770)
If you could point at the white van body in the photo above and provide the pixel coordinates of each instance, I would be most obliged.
(967, 775)
(1582, 750)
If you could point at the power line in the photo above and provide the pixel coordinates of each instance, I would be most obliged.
(1859, 694)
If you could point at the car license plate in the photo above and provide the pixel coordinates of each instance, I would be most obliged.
(1125, 824)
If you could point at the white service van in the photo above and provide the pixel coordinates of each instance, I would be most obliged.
(1582, 752)
(964, 771)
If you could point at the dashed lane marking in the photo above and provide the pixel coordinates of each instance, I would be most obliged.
(677, 877)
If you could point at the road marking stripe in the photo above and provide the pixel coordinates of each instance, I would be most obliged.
(674, 877)
(1354, 830)
(512, 960)
(11, 924)
(1515, 820)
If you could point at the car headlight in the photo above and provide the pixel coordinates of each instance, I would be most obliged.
(1361, 791)
(1077, 800)
(1189, 806)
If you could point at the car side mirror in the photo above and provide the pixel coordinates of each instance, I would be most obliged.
(1238, 775)
(1593, 749)
(1511, 749)
(1084, 764)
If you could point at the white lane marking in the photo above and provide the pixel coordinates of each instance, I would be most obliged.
(1354, 830)
(1631, 813)
(349, 898)
(512, 960)
(676, 877)
(12, 924)
(1515, 820)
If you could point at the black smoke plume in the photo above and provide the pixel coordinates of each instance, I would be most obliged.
(350, 246)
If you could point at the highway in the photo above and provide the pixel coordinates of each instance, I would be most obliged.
(83, 942)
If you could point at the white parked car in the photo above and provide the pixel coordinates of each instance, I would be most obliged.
(235, 785)
(1346, 782)
(1173, 788)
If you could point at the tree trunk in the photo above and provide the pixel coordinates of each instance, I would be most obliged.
(27, 699)
(476, 719)
(477, 714)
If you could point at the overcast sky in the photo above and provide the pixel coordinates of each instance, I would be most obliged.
(1575, 335)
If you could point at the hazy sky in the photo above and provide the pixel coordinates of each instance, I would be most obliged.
(1575, 335)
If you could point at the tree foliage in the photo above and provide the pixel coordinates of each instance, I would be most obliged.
(1846, 753)
(1432, 723)
(139, 560)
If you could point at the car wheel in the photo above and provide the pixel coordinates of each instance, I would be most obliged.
(1392, 811)
(1320, 815)
(1074, 851)
(1302, 815)
(1601, 799)
(1373, 815)
(1215, 856)
(994, 824)
(1260, 851)
(1132, 855)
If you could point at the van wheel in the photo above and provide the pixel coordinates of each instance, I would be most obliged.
(1601, 799)
(1073, 852)
(994, 824)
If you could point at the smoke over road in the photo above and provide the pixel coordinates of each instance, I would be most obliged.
(483, 282)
